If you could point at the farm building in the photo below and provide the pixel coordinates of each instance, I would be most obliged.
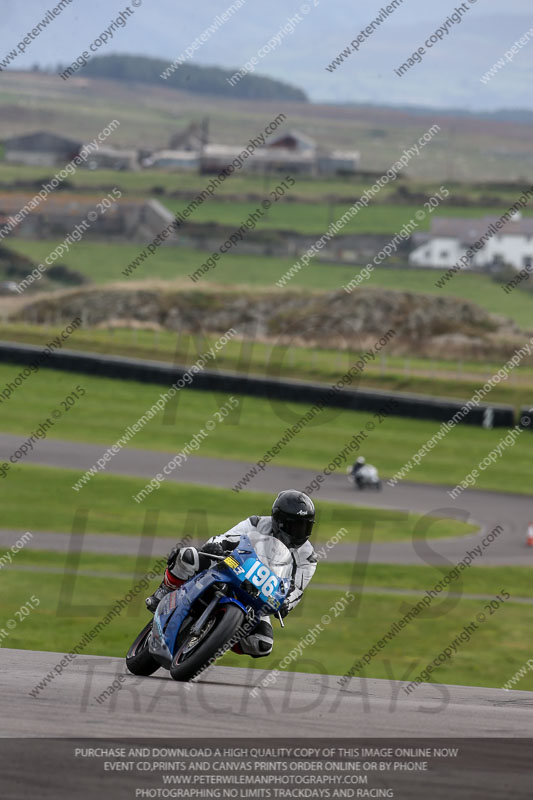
(216, 157)
(173, 159)
(40, 149)
(294, 142)
(292, 151)
(111, 158)
(61, 214)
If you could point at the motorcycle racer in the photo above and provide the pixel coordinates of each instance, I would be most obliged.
(358, 465)
(291, 521)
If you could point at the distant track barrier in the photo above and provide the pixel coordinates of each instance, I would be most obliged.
(415, 406)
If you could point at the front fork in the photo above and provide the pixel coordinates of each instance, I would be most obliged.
(202, 619)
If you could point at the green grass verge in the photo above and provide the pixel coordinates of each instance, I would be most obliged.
(42, 498)
(495, 652)
(475, 580)
(493, 655)
(128, 567)
(109, 406)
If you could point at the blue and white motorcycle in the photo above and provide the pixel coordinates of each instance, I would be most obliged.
(196, 624)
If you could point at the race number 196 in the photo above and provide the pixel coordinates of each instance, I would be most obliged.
(262, 577)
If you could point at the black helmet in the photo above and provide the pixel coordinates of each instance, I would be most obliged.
(293, 517)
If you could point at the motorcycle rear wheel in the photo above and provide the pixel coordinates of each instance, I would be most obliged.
(139, 660)
(192, 657)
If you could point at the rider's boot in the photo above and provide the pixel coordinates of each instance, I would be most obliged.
(169, 584)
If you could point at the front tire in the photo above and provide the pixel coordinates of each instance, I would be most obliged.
(139, 660)
(192, 657)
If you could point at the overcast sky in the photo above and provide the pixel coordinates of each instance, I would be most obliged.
(449, 75)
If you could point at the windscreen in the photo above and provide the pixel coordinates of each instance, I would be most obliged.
(272, 553)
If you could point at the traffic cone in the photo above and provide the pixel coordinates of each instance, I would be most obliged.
(530, 535)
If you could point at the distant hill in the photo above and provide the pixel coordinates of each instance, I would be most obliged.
(450, 75)
(469, 148)
(191, 78)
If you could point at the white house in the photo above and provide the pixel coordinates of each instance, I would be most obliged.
(493, 241)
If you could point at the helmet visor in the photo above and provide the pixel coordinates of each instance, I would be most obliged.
(295, 531)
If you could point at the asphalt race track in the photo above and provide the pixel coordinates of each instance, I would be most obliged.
(218, 709)
(489, 509)
(220, 703)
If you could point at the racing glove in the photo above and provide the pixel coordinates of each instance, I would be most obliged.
(284, 608)
(215, 549)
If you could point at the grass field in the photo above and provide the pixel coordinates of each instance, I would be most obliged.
(103, 263)
(315, 219)
(106, 505)
(394, 373)
(319, 190)
(495, 652)
(109, 406)
(144, 182)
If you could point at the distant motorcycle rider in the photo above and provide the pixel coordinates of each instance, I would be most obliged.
(292, 520)
(359, 464)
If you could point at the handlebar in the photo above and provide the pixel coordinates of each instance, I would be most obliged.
(211, 555)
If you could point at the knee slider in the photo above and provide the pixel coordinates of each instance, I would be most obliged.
(260, 642)
(264, 646)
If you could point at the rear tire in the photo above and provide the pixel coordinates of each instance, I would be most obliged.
(228, 619)
(139, 660)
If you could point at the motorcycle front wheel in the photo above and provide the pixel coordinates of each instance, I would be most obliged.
(139, 660)
(197, 651)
